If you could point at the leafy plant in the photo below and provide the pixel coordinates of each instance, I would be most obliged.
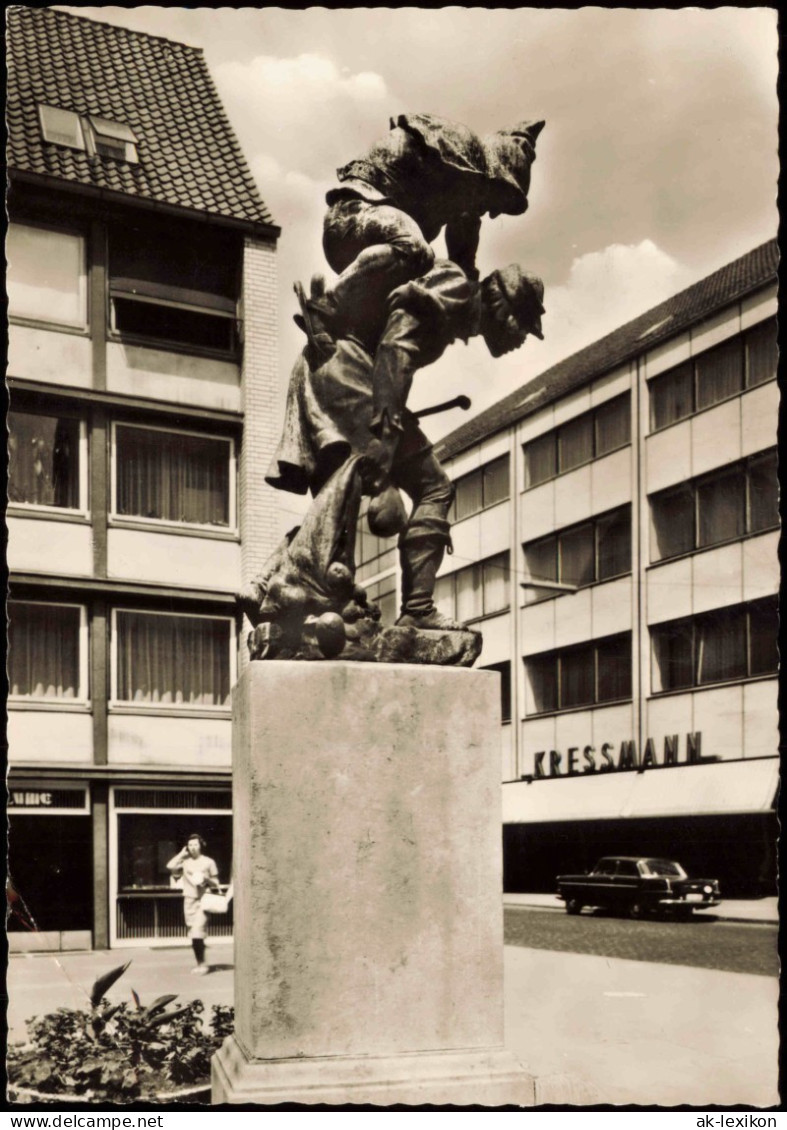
(120, 1052)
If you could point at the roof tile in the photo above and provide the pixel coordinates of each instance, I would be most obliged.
(188, 152)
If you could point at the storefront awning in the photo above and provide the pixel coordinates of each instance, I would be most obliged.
(681, 790)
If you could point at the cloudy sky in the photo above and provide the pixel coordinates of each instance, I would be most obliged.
(658, 163)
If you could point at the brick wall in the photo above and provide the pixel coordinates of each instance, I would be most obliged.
(260, 522)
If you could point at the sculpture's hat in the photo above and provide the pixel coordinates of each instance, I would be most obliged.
(509, 155)
(525, 295)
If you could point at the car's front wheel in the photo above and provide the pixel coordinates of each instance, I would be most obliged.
(636, 910)
(573, 906)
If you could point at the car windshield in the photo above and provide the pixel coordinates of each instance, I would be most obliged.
(664, 867)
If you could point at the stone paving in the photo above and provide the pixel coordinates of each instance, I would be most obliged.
(701, 942)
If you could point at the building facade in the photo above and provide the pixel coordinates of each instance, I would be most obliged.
(142, 376)
(615, 539)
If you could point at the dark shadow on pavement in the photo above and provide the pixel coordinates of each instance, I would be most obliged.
(219, 968)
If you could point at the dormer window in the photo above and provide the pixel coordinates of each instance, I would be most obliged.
(98, 137)
(114, 139)
(61, 127)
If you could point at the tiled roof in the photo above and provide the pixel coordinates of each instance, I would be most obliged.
(727, 285)
(188, 154)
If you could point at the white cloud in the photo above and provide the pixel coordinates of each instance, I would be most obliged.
(303, 110)
(606, 289)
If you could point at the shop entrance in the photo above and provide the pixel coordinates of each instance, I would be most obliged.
(50, 866)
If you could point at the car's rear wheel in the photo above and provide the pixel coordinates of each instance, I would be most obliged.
(636, 910)
(573, 906)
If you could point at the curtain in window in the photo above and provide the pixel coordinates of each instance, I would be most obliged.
(541, 564)
(495, 477)
(46, 275)
(763, 637)
(763, 493)
(43, 460)
(761, 353)
(172, 660)
(495, 581)
(577, 677)
(468, 495)
(672, 654)
(575, 443)
(719, 373)
(613, 425)
(469, 593)
(721, 508)
(444, 597)
(721, 646)
(613, 659)
(540, 459)
(672, 532)
(613, 541)
(173, 477)
(43, 650)
(672, 396)
(577, 556)
(542, 677)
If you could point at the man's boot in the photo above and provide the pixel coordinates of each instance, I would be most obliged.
(421, 553)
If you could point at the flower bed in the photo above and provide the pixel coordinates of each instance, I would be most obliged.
(118, 1053)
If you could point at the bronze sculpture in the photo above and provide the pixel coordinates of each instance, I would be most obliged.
(347, 429)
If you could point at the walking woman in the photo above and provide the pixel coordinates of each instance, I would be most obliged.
(199, 874)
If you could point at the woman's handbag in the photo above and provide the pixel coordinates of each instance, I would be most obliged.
(214, 903)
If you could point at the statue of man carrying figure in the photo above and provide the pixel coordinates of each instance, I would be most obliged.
(392, 311)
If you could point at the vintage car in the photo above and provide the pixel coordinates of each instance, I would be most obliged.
(638, 885)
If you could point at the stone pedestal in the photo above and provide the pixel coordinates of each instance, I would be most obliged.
(368, 909)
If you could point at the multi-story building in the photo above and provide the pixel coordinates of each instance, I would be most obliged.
(615, 538)
(143, 375)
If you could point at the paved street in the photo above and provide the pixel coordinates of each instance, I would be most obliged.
(705, 941)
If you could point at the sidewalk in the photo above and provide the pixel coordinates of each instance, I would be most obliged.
(591, 1029)
(734, 910)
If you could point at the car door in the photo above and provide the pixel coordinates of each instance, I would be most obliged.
(627, 883)
(601, 884)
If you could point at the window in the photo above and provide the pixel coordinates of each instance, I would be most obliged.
(146, 841)
(504, 670)
(730, 503)
(98, 137)
(741, 362)
(605, 429)
(61, 127)
(373, 555)
(175, 286)
(716, 647)
(114, 139)
(581, 555)
(47, 280)
(586, 675)
(183, 479)
(47, 652)
(475, 591)
(167, 659)
(383, 594)
(480, 489)
(47, 466)
(762, 354)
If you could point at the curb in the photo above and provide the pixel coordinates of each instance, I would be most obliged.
(719, 917)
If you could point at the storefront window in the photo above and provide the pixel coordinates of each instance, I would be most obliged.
(147, 841)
